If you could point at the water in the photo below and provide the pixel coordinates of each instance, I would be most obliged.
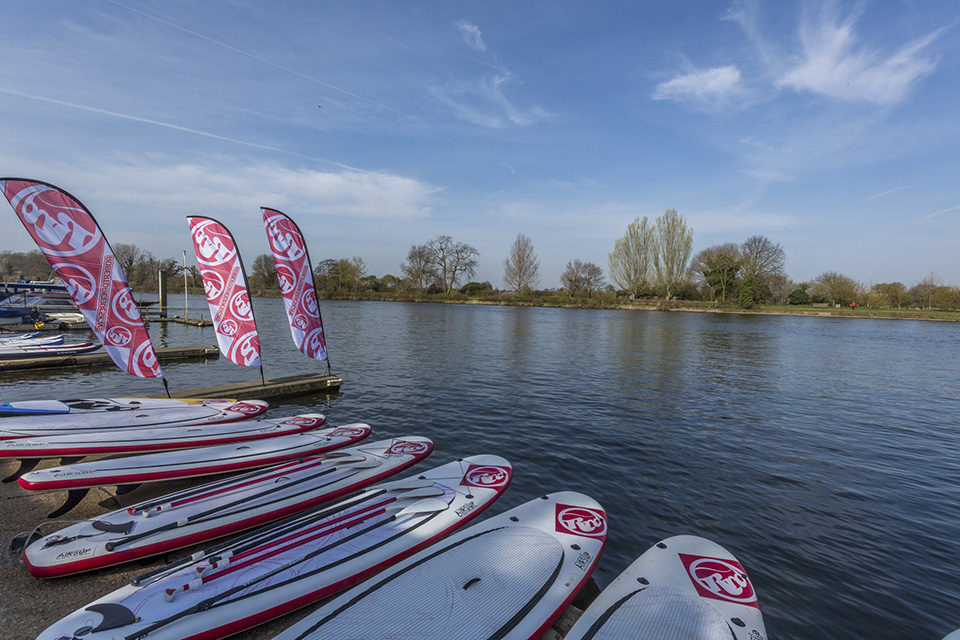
(822, 452)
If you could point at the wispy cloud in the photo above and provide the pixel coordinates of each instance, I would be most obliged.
(169, 125)
(471, 35)
(483, 101)
(835, 62)
(940, 213)
(883, 194)
(710, 87)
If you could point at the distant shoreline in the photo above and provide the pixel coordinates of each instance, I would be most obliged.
(687, 306)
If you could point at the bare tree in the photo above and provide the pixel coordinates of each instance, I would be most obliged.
(580, 275)
(763, 263)
(418, 268)
(674, 242)
(631, 257)
(521, 269)
(128, 255)
(452, 260)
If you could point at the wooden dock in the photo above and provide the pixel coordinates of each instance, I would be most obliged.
(271, 388)
(164, 354)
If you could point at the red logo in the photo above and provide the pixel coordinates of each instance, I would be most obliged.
(581, 521)
(720, 579)
(486, 475)
(124, 307)
(229, 327)
(213, 285)
(118, 336)
(240, 306)
(59, 224)
(284, 239)
(314, 345)
(247, 409)
(305, 421)
(212, 242)
(404, 447)
(144, 362)
(79, 282)
(350, 432)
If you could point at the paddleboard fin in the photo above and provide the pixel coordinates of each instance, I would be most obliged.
(74, 496)
(26, 466)
(126, 488)
(114, 615)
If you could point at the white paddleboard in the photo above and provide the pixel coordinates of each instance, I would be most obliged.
(130, 441)
(289, 564)
(24, 350)
(189, 463)
(38, 418)
(216, 509)
(508, 578)
(683, 587)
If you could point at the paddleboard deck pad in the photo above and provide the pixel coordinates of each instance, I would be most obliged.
(293, 562)
(39, 418)
(683, 587)
(131, 441)
(216, 509)
(189, 463)
(508, 577)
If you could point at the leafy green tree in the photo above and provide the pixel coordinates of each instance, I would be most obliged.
(632, 255)
(746, 293)
(717, 268)
(799, 294)
(476, 288)
(674, 242)
(945, 298)
(836, 288)
(891, 294)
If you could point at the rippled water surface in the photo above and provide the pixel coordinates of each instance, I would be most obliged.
(822, 452)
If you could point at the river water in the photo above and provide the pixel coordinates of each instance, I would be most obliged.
(824, 453)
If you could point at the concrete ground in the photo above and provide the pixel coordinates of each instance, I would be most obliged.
(29, 605)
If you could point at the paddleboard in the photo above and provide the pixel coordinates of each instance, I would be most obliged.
(508, 577)
(130, 441)
(190, 463)
(38, 418)
(289, 564)
(219, 508)
(683, 587)
(30, 339)
(21, 350)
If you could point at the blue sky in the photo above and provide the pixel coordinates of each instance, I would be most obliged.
(832, 128)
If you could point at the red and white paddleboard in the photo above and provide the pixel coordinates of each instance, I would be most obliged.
(508, 577)
(130, 441)
(683, 587)
(219, 508)
(189, 463)
(23, 350)
(38, 418)
(284, 566)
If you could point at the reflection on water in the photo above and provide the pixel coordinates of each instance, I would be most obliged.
(822, 452)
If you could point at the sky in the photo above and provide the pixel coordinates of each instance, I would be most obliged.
(831, 128)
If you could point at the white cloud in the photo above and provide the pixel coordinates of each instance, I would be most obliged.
(471, 35)
(835, 63)
(483, 101)
(709, 87)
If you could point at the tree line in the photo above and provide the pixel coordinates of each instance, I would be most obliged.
(652, 260)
